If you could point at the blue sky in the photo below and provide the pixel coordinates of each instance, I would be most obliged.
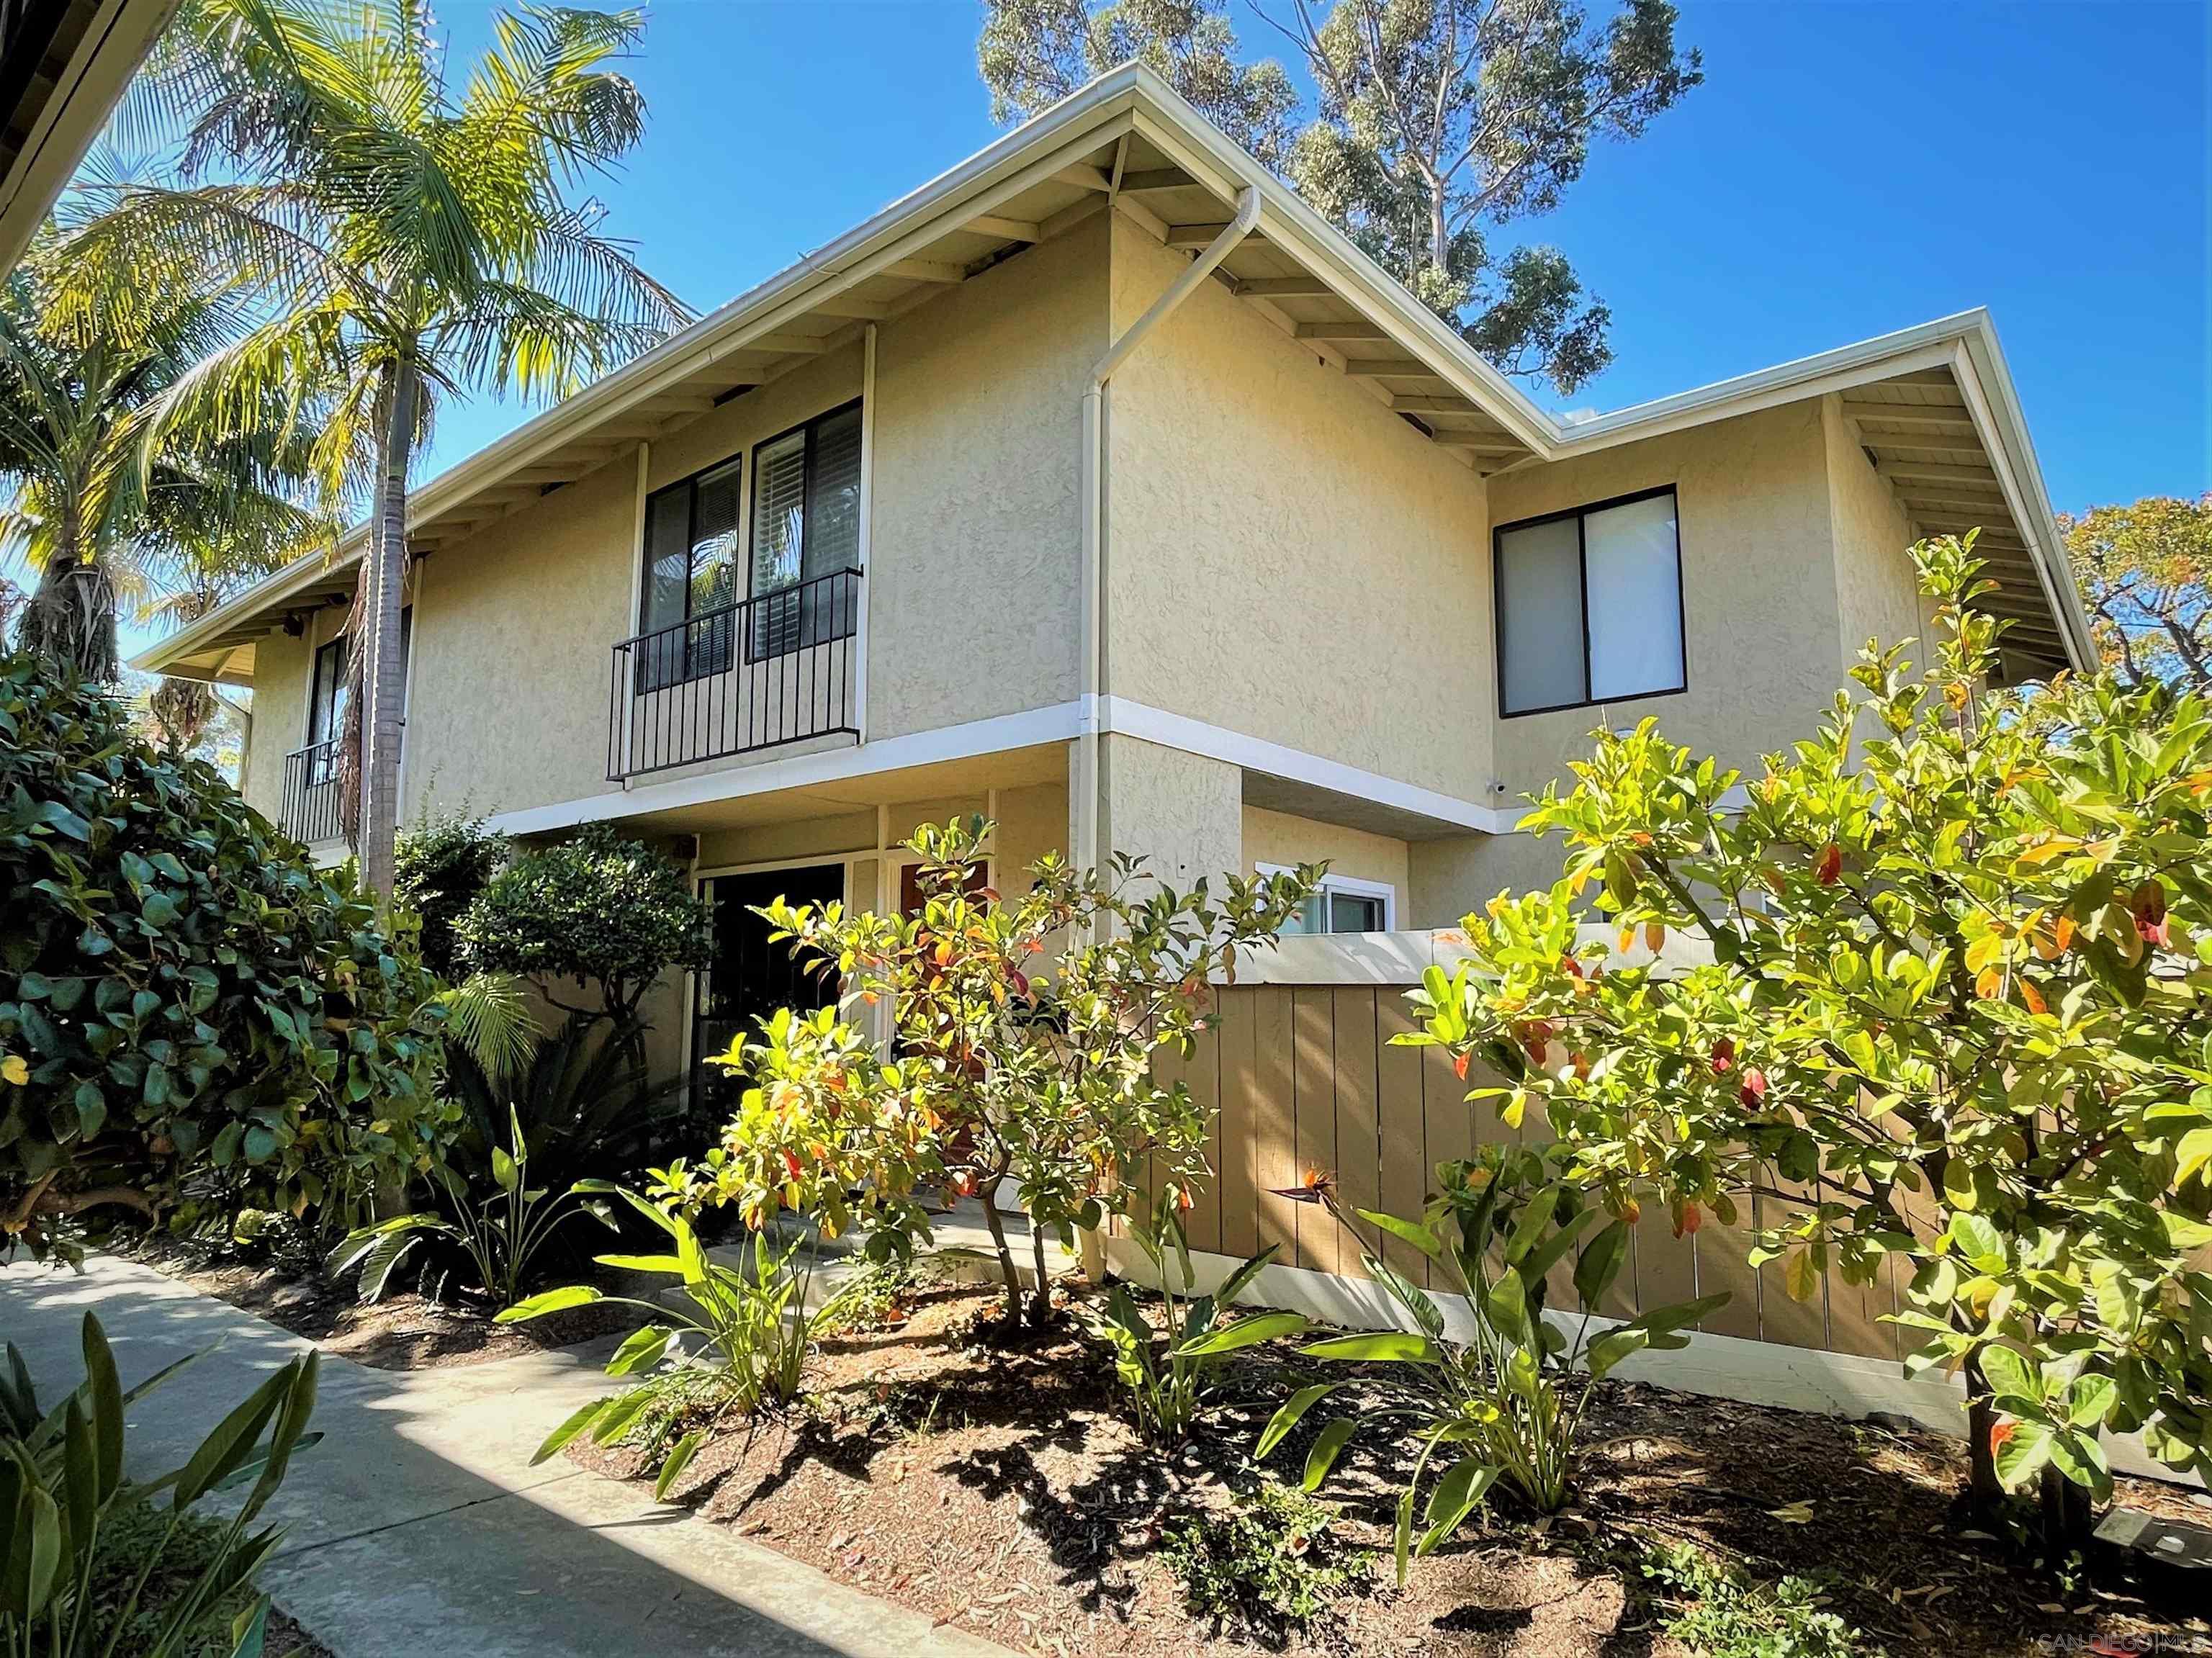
(1849, 166)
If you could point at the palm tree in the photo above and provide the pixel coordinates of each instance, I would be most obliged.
(406, 245)
(103, 503)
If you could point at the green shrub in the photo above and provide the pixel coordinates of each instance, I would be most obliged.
(1507, 1402)
(192, 1018)
(747, 1328)
(1271, 1565)
(1167, 1377)
(440, 864)
(1718, 1611)
(1953, 1027)
(606, 915)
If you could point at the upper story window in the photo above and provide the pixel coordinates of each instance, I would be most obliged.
(807, 532)
(691, 576)
(1589, 605)
(330, 693)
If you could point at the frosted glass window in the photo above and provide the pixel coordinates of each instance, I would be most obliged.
(1589, 606)
(1634, 573)
(1540, 617)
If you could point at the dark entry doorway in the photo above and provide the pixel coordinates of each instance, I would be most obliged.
(752, 975)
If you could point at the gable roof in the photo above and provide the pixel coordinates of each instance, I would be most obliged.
(1934, 404)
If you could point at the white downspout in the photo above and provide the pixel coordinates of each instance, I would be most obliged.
(1091, 489)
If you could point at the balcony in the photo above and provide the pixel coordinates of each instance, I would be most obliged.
(309, 810)
(762, 673)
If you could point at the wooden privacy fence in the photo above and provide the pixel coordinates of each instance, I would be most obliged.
(1305, 1079)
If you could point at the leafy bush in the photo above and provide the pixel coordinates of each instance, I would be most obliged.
(501, 1235)
(1956, 1019)
(754, 1325)
(1012, 1065)
(64, 1504)
(1722, 1613)
(441, 864)
(1508, 1402)
(191, 1017)
(1168, 1376)
(1271, 1565)
(607, 914)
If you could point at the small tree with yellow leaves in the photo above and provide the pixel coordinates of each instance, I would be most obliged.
(1955, 1018)
(1023, 1036)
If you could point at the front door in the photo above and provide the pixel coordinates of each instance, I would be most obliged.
(752, 975)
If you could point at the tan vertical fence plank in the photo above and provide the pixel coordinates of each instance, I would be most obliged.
(1402, 1129)
(1239, 1162)
(1666, 1265)
(1277, 1167)
(1724, 1263)
(1855, 1312)
(1202, 1072)
(1359, 1149)
(1446, 1113)
(1781, 1317)
(1314, 1019)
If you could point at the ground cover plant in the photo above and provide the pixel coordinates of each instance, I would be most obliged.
(1505, 1398)
(934, 1429)
(1955, 1027)
(1271, 1563)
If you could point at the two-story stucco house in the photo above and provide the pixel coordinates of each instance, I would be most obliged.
(1099, 485)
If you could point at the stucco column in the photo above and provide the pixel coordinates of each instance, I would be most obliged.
(1184, 814)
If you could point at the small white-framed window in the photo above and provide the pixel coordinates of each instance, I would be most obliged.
(1343, 904)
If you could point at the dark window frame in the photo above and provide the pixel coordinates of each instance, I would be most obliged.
(844, 622)
(709, 654)
(1579, 513)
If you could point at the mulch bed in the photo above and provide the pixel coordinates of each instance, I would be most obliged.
(406, 1330)
(1001, 1490)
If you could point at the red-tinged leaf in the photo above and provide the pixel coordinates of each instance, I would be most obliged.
(1459, 1067)
(1724, 1056)
(1830, 867)
(1687, 1222)
(1754, 1092)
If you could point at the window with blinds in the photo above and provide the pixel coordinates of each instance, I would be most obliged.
(1589, 606)
(806, 531)
(689, 589)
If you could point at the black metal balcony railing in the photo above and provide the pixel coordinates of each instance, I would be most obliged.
(309, 811)
(775, 669)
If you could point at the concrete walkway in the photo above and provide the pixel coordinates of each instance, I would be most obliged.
(417, 1525)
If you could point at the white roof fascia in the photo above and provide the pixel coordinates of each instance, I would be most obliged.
(1927, 345)
(1996, 414)
(1004, 168)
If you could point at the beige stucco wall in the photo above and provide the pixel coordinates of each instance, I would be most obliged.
(280, 715)
(1457, 874)
(1877, 596)
(1281, 838)
(1759, 592)
(1182, 813)
(1288, 558)
(972, 605)
(514, 631)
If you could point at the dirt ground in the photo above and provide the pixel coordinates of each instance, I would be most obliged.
(1002, 1491)
(406, 1330)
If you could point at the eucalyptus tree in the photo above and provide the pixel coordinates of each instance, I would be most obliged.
(105, 505)
(1433, 124)
(407, 239)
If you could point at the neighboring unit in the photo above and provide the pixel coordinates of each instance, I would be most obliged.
(1100, 486)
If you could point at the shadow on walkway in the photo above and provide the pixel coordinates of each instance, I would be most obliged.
(417, 1525)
